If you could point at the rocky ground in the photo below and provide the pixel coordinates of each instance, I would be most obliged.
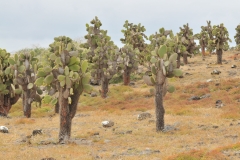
(195, 127)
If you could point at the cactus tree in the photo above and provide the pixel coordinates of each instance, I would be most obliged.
(70, 77)
(102, 55)
(163, 65)
(203, 39)
(237, 36)
(135, 36)
(219, 41)
(66, 44)
(9, 91)
(187, 38)
(128, 62)
(25, 70)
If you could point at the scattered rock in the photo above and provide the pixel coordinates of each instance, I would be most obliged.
(82, 115)
(131, 84)
(94, 82)
(215, 127)
(93, 94)
(209, 80)
(217, 84)
(96, 133)
(215, 72)
(37, 132)
(194, 98)
(48, 158)
(168, 128)
(151, 121)
(219, 104)
(144, 115)
(205, 96)
(232, 73)
(3, 129)
(124, 132)
(234, 66)
(107, 124)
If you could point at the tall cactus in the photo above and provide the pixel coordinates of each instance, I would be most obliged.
(65, 81)
(237, 37)
(66, 44)
(128, 62)
(187, 38)
(9, 91)
(172, 42)
(219, 40)
(102, 56)
(203, 39)
(25, 68)
(163, 65)
(135, 36)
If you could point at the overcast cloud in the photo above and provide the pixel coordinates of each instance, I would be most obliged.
(28, 23)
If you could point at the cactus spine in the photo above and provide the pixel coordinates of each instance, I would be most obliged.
(102, 55)
(219, 41)
(9, 91)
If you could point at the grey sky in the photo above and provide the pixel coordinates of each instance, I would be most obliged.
(28, 23)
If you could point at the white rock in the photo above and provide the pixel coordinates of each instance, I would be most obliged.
(144, 115)
(209, 80)
(3, 129)
(107, 123)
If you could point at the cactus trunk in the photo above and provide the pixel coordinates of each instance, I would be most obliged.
(203, 50)
(126, 76)
(5, 105)
(219, 56)
(160, 79)
(104, 90)
(65, 118)
(57, 108)
(178, 60)
(26, 103)
(185, 60)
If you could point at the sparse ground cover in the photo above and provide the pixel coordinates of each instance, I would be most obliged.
(200, 130)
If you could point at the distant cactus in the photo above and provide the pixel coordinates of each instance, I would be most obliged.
(163, 65)
(187, 38)
(25, 67)
(9, 90)
(203, 39)
(102, 56)
(237, 36)
(135, 36)
(219, 41)
(65, 79)
(128, 62)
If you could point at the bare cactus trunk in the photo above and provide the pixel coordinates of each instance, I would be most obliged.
(104, 90)
(126, 76)
(26, 103)
(65, 119)
(57, 107)
(203, 50)
(178, 61)
(219, 56)
(185, 61)
(159, 108)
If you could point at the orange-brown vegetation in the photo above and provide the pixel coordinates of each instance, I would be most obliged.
(203, 132)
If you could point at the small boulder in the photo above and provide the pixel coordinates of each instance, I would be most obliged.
(215, 72)
(93, 94)
(234, 66)
(194, 98)
(219, 104)
(144, 115)
(209, 80)
(3, 129)
(37, 132)
(107, 124)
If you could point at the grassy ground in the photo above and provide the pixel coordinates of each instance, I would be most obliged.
(202, 132)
